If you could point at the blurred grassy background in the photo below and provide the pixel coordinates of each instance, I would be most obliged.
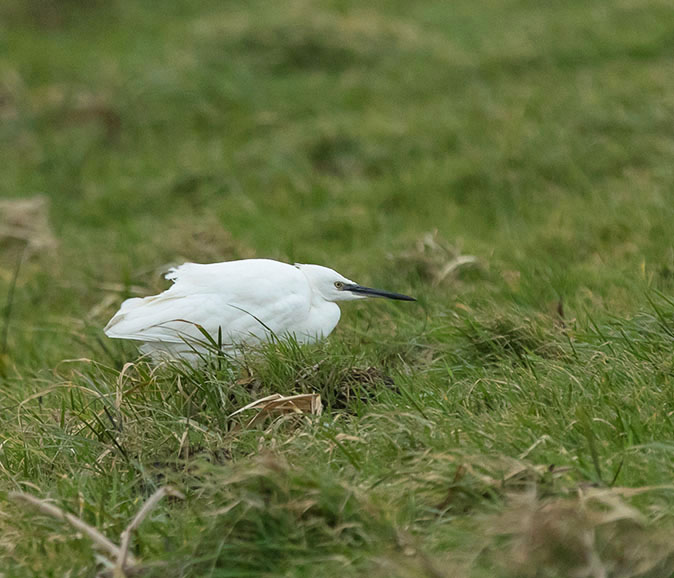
(383, 140)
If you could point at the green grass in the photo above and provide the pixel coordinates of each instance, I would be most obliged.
(517, 421)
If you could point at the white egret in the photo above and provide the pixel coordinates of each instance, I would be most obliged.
(237, 303)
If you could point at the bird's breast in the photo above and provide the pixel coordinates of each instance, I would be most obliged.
(321, 320)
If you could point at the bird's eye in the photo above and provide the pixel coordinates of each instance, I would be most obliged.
(339, 284)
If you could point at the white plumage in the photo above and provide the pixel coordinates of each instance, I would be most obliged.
(240, 302)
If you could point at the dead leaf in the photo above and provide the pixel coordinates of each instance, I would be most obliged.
(305, 403)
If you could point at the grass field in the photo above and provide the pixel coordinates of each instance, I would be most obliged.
(510, 163)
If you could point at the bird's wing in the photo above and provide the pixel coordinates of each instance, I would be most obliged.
(245, 300)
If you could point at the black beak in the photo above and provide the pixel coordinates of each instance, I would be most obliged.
(369, 292)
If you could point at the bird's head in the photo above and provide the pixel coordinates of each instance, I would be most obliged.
(332, 286)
